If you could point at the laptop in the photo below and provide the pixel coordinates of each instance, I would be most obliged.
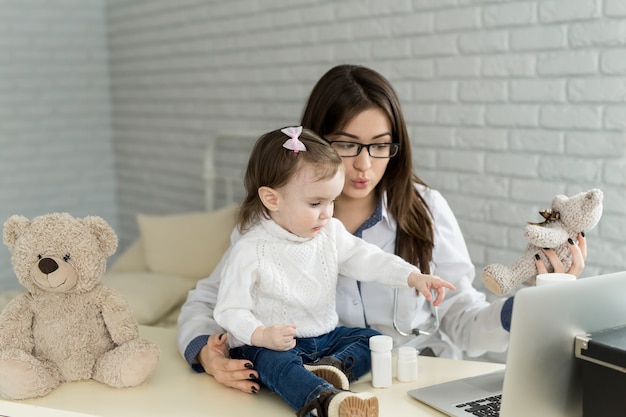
(542, 376)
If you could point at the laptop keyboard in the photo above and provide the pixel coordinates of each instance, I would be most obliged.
(485, 407)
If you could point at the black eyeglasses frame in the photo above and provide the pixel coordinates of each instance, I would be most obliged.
(394, 148)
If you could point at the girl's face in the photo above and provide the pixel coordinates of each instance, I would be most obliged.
(363, 172)
(305, 205)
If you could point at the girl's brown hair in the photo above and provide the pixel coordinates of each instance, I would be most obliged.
(341, 94)
(272, 165)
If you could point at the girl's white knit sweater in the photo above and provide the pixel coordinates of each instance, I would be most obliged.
(275, 277)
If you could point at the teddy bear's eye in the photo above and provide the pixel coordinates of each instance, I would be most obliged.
(39, 256)
(66, 257)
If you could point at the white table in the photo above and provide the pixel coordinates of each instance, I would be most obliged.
(175, 390)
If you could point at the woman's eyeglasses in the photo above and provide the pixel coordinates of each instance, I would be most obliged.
(375, 150)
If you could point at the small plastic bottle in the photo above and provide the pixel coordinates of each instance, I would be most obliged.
(407, 364)
(381, 346)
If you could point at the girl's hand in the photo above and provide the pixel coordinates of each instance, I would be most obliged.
(425, 283)
(578, 252)
(234, 373)
(276, 337)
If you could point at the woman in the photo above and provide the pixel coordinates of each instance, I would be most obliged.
(385, 203)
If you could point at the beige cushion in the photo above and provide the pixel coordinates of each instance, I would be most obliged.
(131, 260)
(189, 244)
(149, 295)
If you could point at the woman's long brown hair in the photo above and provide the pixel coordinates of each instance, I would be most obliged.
(341, 94)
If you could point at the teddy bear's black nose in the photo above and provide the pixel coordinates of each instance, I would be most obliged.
(48, 265)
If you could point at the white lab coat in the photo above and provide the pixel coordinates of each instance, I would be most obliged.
(469, 323)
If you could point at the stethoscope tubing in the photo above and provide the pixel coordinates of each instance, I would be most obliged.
(434, 309)
(416, 331)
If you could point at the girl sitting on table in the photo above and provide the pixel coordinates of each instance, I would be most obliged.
(277, 292)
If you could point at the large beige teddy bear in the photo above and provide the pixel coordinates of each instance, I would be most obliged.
(566, 218)
(67, 326)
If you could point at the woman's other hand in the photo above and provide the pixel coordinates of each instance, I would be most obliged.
(234, 373)
(578, 251)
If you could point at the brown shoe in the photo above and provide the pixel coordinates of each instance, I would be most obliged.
(332, 370)
(331, 374)
(339, 403)
(353, 404)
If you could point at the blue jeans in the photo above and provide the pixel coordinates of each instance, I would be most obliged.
(283, 371)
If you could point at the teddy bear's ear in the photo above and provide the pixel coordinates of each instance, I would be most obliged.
(558, 201)
(14, 227)
(104, 232)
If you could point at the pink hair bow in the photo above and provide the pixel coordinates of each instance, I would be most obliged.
(294, 143)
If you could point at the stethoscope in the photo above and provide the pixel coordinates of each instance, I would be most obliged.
(417, 332)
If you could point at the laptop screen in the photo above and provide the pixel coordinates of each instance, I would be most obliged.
(542, 375)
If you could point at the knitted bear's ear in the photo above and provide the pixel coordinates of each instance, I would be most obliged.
(558, 202)
(14, 227)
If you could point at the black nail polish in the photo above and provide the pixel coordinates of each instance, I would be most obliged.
(582, 234)
(254, 390)
(537, 257)
(249, 365)
(220, 337)
(252, 376)
(570, 241)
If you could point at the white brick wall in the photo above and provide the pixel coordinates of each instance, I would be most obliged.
(508, 102)
(56, 150)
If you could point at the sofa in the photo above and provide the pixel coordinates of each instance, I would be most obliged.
(171, 254)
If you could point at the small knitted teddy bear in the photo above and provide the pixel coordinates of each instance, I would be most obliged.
(566, 218)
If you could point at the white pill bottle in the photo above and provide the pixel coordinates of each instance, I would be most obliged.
(380, 347)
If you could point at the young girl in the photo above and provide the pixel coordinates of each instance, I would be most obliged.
(277, 292)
